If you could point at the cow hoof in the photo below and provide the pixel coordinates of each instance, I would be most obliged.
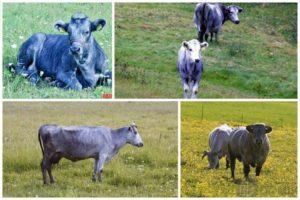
(94, 179)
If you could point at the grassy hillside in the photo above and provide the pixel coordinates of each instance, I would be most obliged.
(21, 20)
(150, 171)
(279, 173)
(255, 59)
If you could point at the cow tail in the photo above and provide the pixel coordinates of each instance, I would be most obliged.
(40, 141)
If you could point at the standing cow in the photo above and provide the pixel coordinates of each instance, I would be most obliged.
(209, 18)
(74, 61)
(249, 145)
(190, 66)
(82, 142)
(218, 144)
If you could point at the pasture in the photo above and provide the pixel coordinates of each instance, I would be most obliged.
(21, 20)
(279, 173)
(255, 59)
(150, 171)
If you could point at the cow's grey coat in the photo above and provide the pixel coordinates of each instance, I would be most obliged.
(218, 144)
(249, 145)
(72, 61)
(83, 142)
(190, 66)
(209, 18)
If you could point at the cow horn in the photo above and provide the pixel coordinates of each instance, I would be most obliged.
(205, 153)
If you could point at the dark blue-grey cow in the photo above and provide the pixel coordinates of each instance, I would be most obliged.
(190, 66)
(74, 61)
(209, 18)
(249, 145)
(82, 142)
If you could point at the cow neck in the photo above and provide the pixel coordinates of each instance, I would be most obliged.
(119, 137)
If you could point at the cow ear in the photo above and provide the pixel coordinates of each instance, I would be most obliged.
(129, 128)
(204, 45)
(249, 128)
(185, 44)
(98, 24)
(268, 129)
(240, 9)
(61, 26)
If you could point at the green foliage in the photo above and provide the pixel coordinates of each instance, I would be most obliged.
(279, 173)
(150, 171)
(40, 17)
(255, 59)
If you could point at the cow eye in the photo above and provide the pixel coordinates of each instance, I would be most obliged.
(190, 49)
(86, 32)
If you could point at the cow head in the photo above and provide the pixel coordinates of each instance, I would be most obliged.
(258, 133)
(213, 159)
(133, 137)
(232, 12)
(193, 49)
(80, 30)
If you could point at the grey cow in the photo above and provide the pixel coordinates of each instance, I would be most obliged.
(73, 61)
(218, 143)
(209, 18)
(82, 142)
(190, 66)
(249, 145)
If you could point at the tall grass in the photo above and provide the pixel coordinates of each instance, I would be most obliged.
(279, 173)
(21, 20)
(150, 171)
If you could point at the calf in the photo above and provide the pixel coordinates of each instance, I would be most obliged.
(249, 145)
(190, 66)
(209, 18)
(218, 144)
(74, 61)
(82, 142)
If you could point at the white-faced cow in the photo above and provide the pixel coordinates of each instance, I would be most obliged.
(82, 142)
(218, 144)
(190, 66)
(73, 61)
(250, 145)
(209, 18)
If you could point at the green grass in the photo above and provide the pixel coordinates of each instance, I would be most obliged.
(21, 20)
(255, 59)
(279, 173)
(150, 171)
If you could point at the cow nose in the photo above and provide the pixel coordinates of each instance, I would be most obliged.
(141, 144)
(237, 22)
(75, 49)
(197, 60)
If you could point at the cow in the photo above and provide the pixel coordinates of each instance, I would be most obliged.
(250, 145)
(75, 61)
(218, 144)
(209, 18)
(82, 142)
(190, 66)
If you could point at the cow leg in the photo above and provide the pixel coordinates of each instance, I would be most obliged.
(227, 162)
(211, 36)
(246, 170)
(100, 165)
(200, 36)
(185, 90)
(69, 78)
(195, 90)
(232, 166)
(216, 36)
(258, 169)
(44, 167)
(50, 173)
(94, 178)
(206, 37)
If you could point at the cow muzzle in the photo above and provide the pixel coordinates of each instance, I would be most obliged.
(140, 145)
(236, 22)
(76, 48)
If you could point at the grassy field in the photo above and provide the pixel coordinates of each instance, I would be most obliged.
(279, 173)
(150, 171)
(255, 59)
(21, 20)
